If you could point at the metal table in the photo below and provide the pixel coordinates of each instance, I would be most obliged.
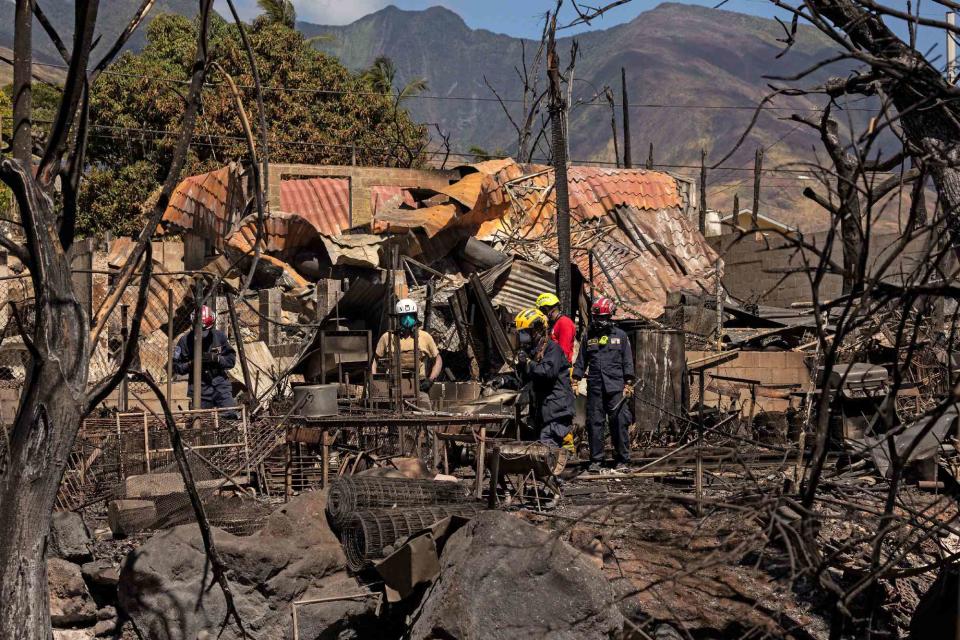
(318, 431)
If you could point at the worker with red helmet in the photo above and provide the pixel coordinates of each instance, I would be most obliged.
(216, 358)
(607, 361)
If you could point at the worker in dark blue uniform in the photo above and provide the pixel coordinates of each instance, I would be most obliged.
(542, 363)
(607, 360)
(216, 359)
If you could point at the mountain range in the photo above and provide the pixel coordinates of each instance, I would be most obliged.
(694, 75)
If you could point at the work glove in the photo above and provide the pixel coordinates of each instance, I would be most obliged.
(522, 360)
(425, 385)
(628, 390)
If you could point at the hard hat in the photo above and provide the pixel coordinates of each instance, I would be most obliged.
(529, 318)
(406, 305)
(207, 317)
(603, 307)
(547, 300)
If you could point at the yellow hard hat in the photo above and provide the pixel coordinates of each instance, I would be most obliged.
(527, 318)
(547, 300)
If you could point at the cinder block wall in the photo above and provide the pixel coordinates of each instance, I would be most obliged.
(769, 367)
(754, 266)
(361, 179)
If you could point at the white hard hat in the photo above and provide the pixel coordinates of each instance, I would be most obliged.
(406, 305)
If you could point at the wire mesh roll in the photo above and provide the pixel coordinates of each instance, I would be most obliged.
(357, 493)
(368, 533)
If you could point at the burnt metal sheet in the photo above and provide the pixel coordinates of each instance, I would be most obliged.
(323, 202)
(390, 197)
(516, 283)
(284, 234)
(465, 191)
(431, 219)
(358, 250)
(207, 204)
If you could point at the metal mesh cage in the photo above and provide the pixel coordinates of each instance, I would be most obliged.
(368, 533)
(351, 494)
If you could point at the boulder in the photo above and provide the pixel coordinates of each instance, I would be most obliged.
(294, 554)
(501, 577)
(69, 537)
(101, 573)
(70, 602)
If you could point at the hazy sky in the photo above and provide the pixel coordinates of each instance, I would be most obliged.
(524, 17)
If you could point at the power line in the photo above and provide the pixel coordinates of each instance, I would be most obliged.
(425, 96)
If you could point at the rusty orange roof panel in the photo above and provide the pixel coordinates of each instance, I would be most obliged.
(323, 202)
(430, 219)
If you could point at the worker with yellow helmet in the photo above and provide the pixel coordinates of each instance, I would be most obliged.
(542, 363)
(562, 329)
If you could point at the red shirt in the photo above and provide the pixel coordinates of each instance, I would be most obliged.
(563, 333)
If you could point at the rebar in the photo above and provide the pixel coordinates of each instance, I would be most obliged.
(355, 493)
(369, 533)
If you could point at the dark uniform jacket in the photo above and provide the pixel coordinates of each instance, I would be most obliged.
(549, 379)
(607, 359)
(217, 358)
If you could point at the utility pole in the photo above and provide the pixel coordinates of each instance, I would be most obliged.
(608, 94)
(650, 158)
(951, 49)
(557, 109)
(627, 160)
(757, 169)
(736, 209)
(703, 191)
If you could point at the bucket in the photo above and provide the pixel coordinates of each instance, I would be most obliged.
(315, 400)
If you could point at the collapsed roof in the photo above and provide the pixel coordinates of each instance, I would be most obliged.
(630, 236)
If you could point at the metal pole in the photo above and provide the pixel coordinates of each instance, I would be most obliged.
(197, 346)
(719, 307)
(951, 58)
(170, 344)
(627, 160)
(703, 191)
(757, 169)
(124, 337)
(699, 477)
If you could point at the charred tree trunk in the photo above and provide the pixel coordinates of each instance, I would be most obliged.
(49, 415)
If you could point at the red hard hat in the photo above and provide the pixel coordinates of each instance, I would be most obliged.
(207, 317)
(603, 307)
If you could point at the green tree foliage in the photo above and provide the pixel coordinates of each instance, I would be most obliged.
(279, 12)
(317, 113)
(382, 74)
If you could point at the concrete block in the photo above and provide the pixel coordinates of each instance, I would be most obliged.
(130, 516)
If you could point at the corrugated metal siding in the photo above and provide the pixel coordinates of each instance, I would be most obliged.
(323, 202)
(516, 284)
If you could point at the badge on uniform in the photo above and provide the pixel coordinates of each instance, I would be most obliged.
(604, 340)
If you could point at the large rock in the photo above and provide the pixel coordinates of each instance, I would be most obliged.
(69, 537)
(501, 577)
(70, 602)
(294, 554)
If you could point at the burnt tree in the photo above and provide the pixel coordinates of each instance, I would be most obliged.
(57, 393)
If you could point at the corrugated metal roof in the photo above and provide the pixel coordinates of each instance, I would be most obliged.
(465, 191)
(323, 202)
(595, 190)
(207, 204)
(284, 234)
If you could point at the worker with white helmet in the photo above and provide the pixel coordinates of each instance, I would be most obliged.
(411, 335)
